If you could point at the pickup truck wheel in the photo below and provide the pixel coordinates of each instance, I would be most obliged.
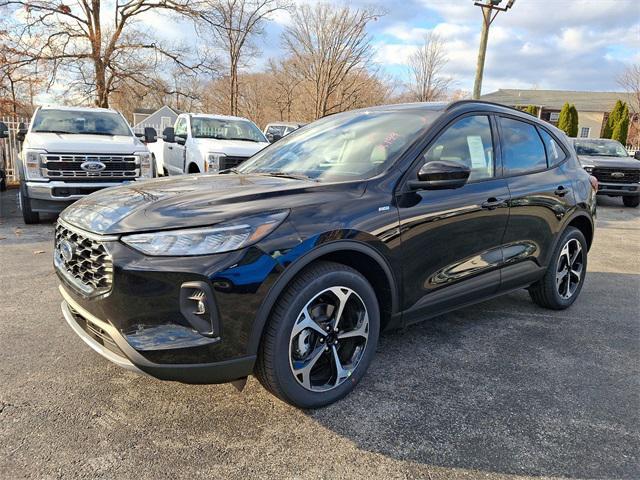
(29, 216)
(321, 336)
(565, 275)
(193, 168)
(631, 201)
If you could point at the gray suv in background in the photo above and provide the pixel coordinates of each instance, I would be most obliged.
(617, 172)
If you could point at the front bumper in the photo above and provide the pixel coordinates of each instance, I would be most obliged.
(55, 196)
(105, 339)
(619, 189)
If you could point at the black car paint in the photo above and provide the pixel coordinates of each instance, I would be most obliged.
(427, 251)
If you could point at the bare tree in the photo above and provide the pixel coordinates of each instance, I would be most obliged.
(285, 83)
(425, 67)
(77, 39)
(235, 24)
(629, 80)
(329, 47)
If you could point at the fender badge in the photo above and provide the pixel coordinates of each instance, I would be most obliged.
(383, 209)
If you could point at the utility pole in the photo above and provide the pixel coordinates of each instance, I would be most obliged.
(490, 10)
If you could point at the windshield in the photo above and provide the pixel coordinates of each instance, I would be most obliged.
(80, 122)
(347, 146)
(222, 129)
(600, 148)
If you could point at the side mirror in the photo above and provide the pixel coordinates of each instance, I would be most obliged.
(440, 175)
(168, 135)
(22, 132)
(636, 155)
(180, 140)
(150, 135)
(4, 130)
(275, 137)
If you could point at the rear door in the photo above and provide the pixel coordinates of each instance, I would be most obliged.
(541, 195)
(452, 239)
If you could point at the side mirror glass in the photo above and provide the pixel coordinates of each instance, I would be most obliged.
(168, 135)
(22, 132)
(150, 135)
(275, 137)
(4, 130)
(441, 174)
(636, 155)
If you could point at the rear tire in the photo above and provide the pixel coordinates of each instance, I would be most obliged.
(321, 336)
(565, 275)
(631, 201)
(29, 216)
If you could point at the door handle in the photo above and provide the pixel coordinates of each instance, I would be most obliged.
(493, 203)
(169, 147)
(561, 191)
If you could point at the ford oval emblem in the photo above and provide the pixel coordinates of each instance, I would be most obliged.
(93, 166)
(66, 250)
(617, 174)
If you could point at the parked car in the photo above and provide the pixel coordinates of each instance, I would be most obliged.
(69, 152)
(290, 265)
(209, 143)
(617, 172)
(275, 131)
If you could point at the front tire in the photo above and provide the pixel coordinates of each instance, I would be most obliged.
(631, 201)
(29, 216)
(321, 336)
(565, 275)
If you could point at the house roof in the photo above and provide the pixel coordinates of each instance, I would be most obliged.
(555, 99)
(151, 111)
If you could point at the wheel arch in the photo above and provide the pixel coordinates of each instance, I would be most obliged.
(582, 222)
(360, 256)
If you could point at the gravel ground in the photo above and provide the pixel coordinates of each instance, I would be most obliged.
(502, 389)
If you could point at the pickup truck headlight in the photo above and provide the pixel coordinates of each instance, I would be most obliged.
(33, 164)
(213, 162)
(145, 162)
(223, 237)
(588, 168)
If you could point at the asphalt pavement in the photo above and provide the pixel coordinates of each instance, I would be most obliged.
(502, 389)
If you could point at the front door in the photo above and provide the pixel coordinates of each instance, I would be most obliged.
(452, 239)
(177, 155)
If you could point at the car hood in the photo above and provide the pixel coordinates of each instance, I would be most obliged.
(76, 143)
(612, 162)
(195, 201)
(235, 148)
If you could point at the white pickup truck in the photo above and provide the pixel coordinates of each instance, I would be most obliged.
(70, 152)
(209, 143)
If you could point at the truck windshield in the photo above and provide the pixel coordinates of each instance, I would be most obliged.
(80, 122)
(222, 129)
(347, 146)
(600, 148)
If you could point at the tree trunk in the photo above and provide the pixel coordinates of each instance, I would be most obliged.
(102, 96)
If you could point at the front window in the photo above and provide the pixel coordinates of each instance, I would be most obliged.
(222, 129)
(80, 122)
(600, 148)
(347, 146)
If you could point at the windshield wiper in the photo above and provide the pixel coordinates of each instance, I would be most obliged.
(295, 176)
(243, 139)
(53, 131)
(98, 133)
(229, 170)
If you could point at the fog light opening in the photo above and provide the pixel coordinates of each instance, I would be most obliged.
(198, 307)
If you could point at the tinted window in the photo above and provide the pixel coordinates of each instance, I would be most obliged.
(555, 154)
(468, 141)
(522, 149)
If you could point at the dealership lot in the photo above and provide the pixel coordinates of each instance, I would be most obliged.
(497, 390)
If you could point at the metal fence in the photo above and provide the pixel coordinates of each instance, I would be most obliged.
(10, 147)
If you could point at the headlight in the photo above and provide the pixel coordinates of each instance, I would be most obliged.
(223, 237)
(33, 164)
(213, 162)
(145, 162)
(588, 168)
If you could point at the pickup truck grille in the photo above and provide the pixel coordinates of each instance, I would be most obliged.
(231, 162)
(69, 166)
(83, 261)
(612, 175)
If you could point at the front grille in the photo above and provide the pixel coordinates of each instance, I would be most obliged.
(612, 175)
(231, 162)
(68, 166)
(84, 260)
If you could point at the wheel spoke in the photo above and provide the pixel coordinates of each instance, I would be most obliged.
(305, 370)
(342, 294)
(361, 331)
(577, 274)
(561, 275)
(305, 321)
(341, 373)
(576, 254)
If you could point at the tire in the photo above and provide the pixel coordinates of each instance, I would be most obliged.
(29, 216)
(555, 290)
(314, 290)
(631, 201)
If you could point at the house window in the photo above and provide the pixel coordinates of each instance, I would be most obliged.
(165, 122)
(584, 132)
(554, 116)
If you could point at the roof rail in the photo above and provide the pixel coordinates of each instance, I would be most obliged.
(483, 102)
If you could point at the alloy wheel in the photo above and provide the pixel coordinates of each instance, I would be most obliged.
(328, 339)
(569, 269)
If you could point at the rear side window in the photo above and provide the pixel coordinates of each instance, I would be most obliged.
(555, 154)
(468, 142)
(522, 148)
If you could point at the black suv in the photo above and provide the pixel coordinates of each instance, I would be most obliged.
(618, 173)
(290, 266)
